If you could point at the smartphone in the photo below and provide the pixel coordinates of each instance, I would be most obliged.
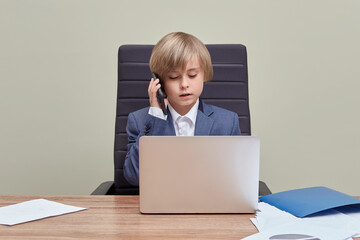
(160, 94)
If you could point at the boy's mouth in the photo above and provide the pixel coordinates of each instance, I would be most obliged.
(185, 94)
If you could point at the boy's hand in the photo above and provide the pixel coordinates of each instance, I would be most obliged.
(152, 89)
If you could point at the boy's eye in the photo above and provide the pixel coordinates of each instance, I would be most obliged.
(173, 77)
(192, 75)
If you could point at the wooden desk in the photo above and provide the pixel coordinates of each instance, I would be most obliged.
(118, 217)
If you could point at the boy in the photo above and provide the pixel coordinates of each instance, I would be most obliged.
(183, 64)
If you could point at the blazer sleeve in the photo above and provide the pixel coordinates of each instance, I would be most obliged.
(139, 125)
(236, 128)
(131, 165)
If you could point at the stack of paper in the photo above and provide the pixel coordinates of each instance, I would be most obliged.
(321, 213)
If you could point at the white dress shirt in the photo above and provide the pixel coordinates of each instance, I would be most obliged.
(184, 125)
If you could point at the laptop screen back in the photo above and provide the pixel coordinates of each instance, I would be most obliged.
(201, 174)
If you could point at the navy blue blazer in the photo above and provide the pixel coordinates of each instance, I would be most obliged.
(210, 121)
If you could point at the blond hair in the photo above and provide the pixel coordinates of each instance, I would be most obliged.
(175, 50)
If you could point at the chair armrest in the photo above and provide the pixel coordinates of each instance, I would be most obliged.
(263, 189)
(104, 188)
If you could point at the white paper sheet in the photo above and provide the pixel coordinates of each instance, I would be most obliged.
(33, 210)
(271, 221)
(269, 216)
(301, 231)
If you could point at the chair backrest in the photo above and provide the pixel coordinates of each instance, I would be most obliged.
(228, 89)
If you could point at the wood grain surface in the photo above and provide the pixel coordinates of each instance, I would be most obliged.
(118, 217)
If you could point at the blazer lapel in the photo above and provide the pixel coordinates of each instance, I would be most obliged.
(203, 123)
(169, 130)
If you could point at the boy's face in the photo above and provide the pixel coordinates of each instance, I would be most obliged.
(184, 86)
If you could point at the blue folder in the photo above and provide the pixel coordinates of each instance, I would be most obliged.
(307, 201)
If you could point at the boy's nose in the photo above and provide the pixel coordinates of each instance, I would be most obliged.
(184, 82)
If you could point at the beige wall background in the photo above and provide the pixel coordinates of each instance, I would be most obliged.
(58, 73)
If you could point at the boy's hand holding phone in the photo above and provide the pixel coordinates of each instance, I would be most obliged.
(157, 96)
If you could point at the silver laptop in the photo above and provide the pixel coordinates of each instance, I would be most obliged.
(201, 174)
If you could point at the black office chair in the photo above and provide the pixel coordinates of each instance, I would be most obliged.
(228, 89)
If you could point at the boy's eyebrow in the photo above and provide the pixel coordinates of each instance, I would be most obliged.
(194, 68)
(187, 70)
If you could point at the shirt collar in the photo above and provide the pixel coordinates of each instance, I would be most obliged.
(191, 114)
